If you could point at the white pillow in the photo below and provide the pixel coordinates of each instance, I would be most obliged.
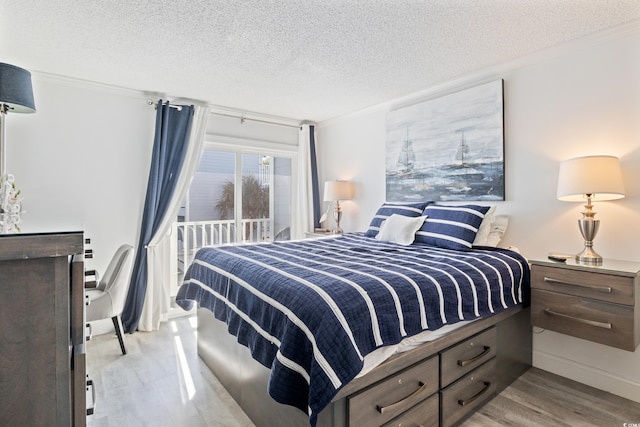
(400, 229)
(485, 228)
(498, 228)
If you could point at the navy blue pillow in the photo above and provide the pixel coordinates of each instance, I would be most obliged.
(451, 227)
(388, 209)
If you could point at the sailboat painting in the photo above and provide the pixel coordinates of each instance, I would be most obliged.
(449, 148)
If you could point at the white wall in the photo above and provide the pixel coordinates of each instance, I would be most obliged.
(82, 161)
(575, 100)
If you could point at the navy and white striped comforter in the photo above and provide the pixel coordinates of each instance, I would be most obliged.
(311, 310)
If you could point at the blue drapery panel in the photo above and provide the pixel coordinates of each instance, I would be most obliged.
(173, 124)
(314, 177)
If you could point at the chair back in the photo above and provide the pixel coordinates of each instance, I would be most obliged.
(117, 276)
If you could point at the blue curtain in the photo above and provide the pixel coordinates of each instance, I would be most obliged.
(173, 124)
(314, 178)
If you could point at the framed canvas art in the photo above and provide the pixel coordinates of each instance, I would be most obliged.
(449, 148)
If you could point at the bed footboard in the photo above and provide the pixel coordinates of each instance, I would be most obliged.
(466, 368)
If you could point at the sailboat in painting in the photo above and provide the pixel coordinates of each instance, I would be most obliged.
(464, 165)
(463, 150)
(406, 157)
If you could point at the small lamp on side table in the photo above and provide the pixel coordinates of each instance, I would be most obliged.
(591, 178)
(334, 191)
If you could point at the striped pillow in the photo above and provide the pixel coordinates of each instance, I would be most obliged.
(388, 209)
(451, 227)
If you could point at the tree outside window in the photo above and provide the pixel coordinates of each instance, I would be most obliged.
(255, 200)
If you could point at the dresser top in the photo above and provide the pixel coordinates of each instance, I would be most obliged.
(608, 266)
(40, 245)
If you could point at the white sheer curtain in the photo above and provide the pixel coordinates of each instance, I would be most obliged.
(302, 209)
(157, 302)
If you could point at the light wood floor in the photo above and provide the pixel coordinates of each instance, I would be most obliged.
(162, 382)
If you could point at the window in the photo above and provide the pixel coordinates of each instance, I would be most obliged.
(217, 210)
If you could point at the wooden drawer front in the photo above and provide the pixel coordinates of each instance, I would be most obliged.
(603, 322)
(390, 397)
(600, 286)
(468, 393)
(78, 389)
(466, 356)
(424, 414)
(77, 302)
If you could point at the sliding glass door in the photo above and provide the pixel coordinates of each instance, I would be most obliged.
(265, 198)
(235, 196)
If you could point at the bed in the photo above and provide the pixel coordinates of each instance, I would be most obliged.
(310, 313)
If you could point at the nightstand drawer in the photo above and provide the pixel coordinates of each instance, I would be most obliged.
(589, 284)
(603, 322)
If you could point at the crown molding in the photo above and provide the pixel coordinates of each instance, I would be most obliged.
(151, 97)
(88, 85)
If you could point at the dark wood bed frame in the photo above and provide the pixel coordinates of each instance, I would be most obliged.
(439, 383)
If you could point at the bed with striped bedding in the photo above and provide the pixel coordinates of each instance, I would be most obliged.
(310, 310)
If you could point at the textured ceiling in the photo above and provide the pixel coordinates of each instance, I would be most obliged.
(303, 59)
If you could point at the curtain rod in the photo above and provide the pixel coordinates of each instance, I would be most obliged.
(243, 119)
(235, 116)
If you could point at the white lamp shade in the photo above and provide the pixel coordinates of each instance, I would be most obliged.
(599, 176)
(338, 190)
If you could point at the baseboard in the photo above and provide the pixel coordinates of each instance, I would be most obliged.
(587, 375)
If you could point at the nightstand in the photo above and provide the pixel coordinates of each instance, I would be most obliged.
(595, 303)
(313, 234)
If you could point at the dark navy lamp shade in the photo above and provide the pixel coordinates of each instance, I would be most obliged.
(16, 91)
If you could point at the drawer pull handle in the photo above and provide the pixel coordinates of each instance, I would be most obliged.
(604, 325)
(90, 409)
(487, 384)
(464, 363)
(606, 289)
(382, 409)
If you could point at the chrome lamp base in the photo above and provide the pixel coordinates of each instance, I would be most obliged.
(337, 215)
(589, 228)
(589, 256)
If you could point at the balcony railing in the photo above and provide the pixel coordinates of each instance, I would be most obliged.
(188, 237)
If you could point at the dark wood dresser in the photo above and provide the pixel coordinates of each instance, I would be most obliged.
(42, 334)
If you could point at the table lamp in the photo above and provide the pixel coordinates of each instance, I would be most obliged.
(334, 191)
(591, 178)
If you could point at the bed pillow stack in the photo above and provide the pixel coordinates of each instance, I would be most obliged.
(451, 227)
(387, 209)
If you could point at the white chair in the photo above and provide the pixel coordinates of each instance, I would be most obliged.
(106, 299)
